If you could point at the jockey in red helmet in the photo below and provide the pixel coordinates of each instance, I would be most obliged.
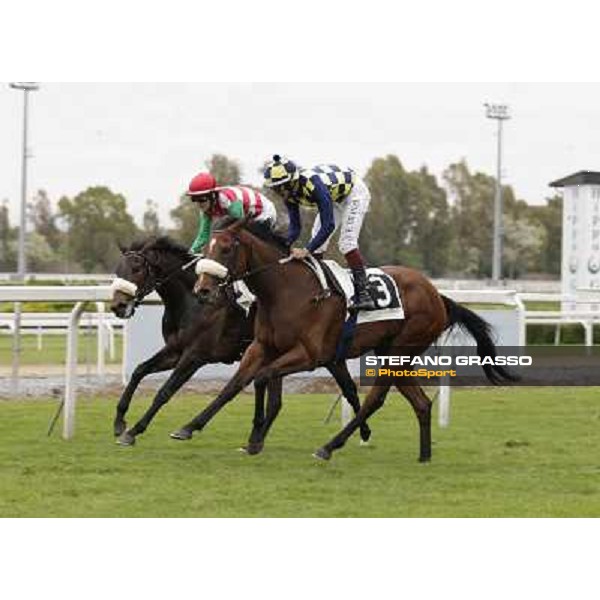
(236, 201)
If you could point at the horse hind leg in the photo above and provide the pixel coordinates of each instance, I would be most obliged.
(342, 377)
(373, 402)
(422, 406)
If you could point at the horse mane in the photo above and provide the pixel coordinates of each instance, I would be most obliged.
(257, 228)
(164, 244)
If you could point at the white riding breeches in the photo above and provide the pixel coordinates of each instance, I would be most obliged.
(348, 218)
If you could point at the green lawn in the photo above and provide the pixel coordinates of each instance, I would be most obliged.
(528, 452)
(54, 349)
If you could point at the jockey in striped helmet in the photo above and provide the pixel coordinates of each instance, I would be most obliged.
(236, 201)
(341, 198)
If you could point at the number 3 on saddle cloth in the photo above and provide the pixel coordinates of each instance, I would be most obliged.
(383, 288)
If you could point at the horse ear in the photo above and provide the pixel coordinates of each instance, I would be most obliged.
(240, 223)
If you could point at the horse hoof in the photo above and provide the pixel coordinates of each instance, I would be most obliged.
(126, 439)
(364, 443)
(322, 454)
(182, 435)
(120, 428)
(253, 449)
(424, 459)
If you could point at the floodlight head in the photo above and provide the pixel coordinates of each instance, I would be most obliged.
(26, 86)
(496, 111)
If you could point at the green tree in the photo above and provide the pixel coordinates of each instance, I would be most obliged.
(43, 219)
(7, 235)
(432, 235)
(226, 171)
(150, 219)
(41, 258)
(186, 215)
(98, 220)
(472, 215)
(408, 219)
(389, 186)
(523, 243)
(549, 217)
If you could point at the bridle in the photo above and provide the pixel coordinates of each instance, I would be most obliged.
(152, 280)
(226, 284)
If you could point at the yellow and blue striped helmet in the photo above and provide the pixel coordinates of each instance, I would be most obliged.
(279, 171)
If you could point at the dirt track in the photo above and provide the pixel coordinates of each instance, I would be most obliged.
(42, 381)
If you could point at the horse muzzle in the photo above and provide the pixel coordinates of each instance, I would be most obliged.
(122, 306)
(123, 302)
(205, 289)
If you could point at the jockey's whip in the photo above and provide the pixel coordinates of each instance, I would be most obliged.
(53, 422)
(332, 408)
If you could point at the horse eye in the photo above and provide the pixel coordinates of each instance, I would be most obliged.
(226, 250)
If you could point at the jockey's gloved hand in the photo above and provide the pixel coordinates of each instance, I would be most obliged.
(299, 253)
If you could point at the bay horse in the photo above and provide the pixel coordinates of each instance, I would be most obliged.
(294, 333)
(194, 334)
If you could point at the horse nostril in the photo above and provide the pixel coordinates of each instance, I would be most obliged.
(203, 294)
(119, 308)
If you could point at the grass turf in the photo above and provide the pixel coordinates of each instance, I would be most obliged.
(54, 349)
(520, 452)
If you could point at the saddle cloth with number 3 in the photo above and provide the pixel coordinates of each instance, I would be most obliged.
(383, 288)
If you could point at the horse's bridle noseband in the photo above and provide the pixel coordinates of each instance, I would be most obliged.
(153, 281)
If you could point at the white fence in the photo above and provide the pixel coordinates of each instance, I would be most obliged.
(42, 324)
(80, 295)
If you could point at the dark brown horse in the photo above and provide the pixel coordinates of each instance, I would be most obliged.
(295, 333)
(194, 335)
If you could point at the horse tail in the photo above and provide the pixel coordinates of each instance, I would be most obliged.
(482, 332)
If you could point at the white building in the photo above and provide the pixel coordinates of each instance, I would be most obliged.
(581, 231)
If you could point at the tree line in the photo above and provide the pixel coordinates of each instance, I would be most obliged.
(442, 227)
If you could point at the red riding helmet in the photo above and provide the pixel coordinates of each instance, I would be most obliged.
(203, 183)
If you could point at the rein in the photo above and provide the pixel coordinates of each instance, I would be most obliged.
(230, 279)
(158, 282)
(251, 272)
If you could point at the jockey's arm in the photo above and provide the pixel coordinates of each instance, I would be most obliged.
(295, 225)
(324, 203)
(236, 210)
(204, 229)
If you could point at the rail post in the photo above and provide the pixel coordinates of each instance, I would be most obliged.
(71, 371)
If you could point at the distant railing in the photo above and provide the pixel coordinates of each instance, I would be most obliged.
(65, 277)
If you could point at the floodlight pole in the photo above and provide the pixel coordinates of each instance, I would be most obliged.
(499, 112)
(25, 87)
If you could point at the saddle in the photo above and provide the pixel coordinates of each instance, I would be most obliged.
(335, 279)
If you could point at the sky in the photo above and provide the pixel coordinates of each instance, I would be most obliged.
(147, 140)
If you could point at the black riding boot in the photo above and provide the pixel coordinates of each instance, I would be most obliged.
(362, 297)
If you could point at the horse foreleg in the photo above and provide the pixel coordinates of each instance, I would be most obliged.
(373, 402)
(249, 365)
(273, 408)
(348, 388)
(253, 446)
(422, 406)
(181, 375)
(164, 359)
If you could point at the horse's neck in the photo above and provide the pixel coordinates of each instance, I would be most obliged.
(177, 292)
(268, 284)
